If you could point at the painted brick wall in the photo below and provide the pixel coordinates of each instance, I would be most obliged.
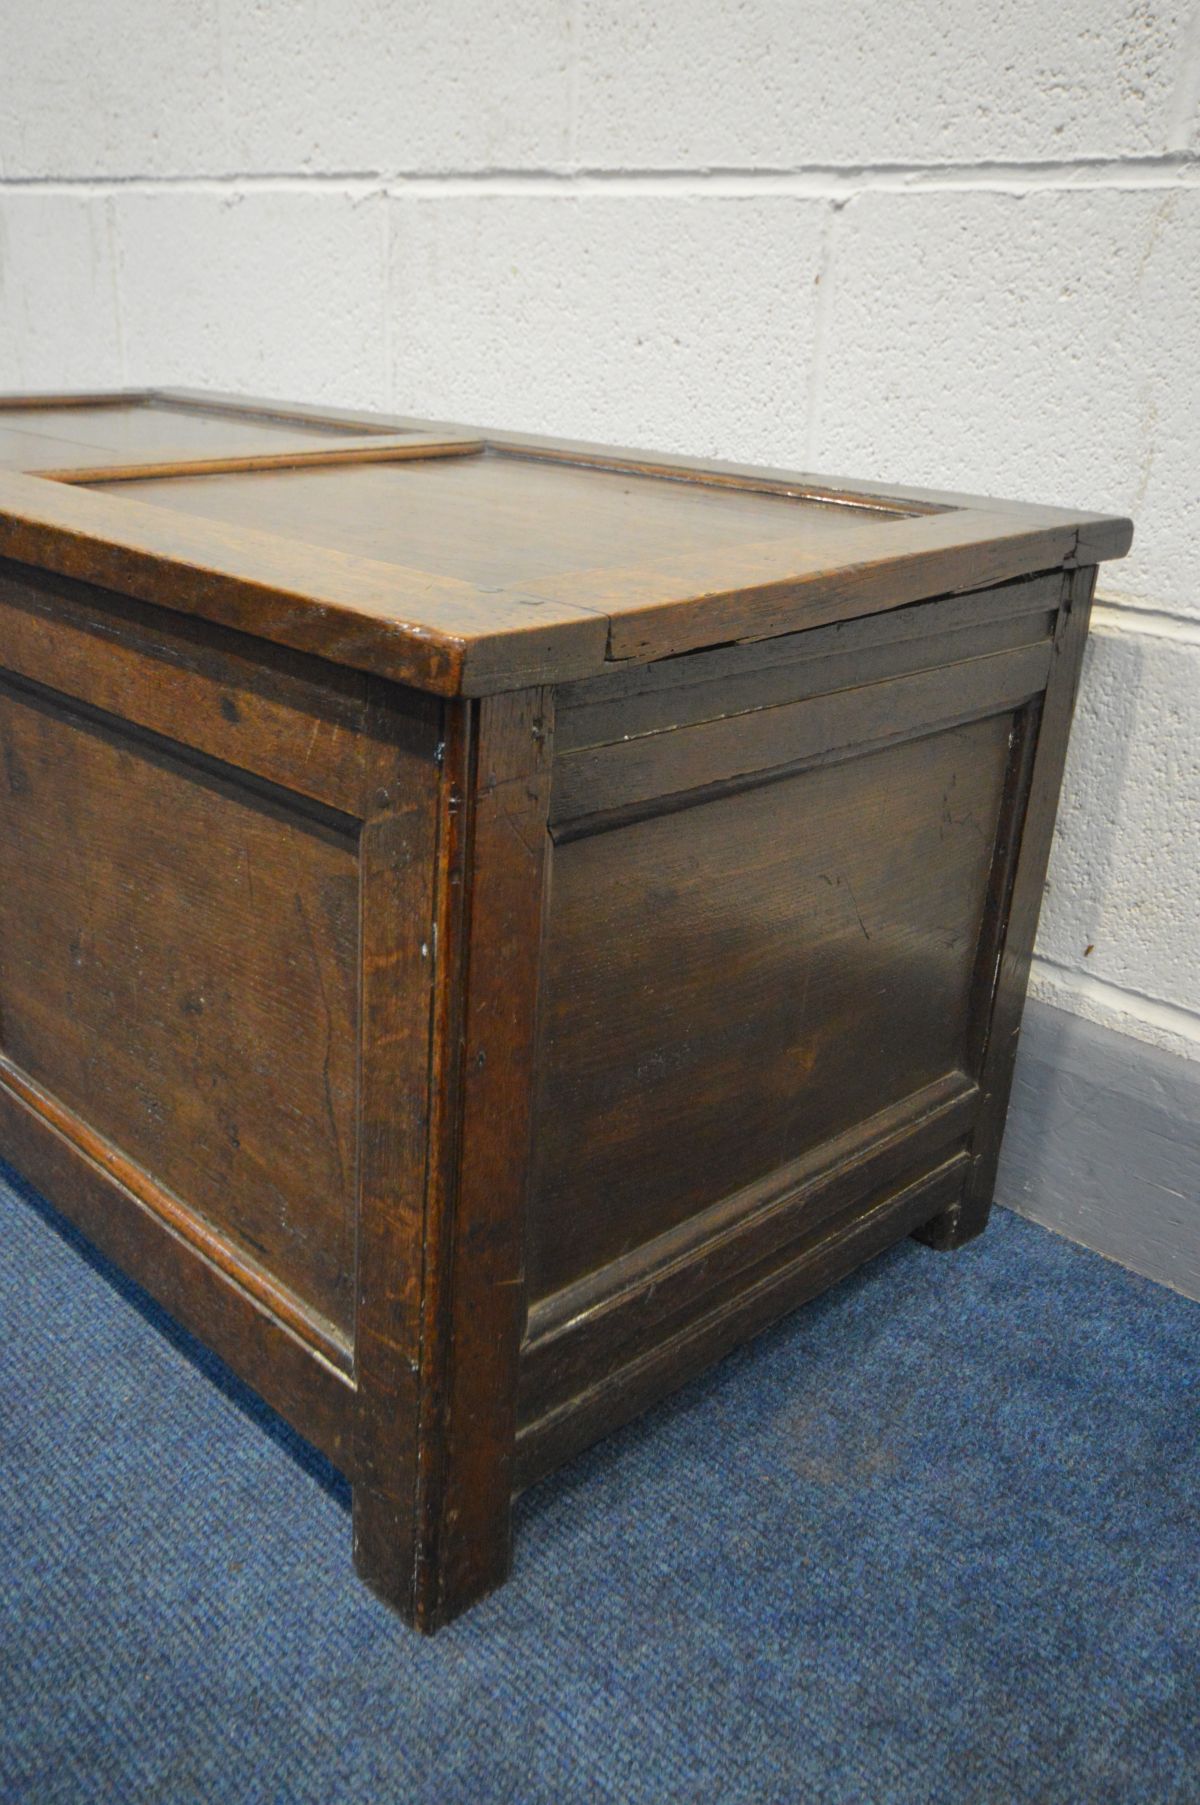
(952, 245)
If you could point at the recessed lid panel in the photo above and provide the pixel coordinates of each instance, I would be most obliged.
(500, 520)
(75, 439)
(468, 562)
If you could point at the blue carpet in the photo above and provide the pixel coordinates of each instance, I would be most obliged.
(934, 1539)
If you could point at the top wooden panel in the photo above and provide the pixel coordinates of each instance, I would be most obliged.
(499, 521)
(78, 438)
(47, 438)
(467, 562)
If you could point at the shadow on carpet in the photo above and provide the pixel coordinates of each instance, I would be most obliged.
(932, 1539)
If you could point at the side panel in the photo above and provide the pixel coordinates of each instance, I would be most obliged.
(216, 973)
(179, 968)
(777, 891)
(729, 985)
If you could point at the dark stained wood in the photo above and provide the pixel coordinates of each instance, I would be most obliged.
(1101, 535)
(490, 923)
(476, 1245)
(469, 516)
(1022, 747)
(403, 881)
(623, 1391)
(1018, 903)
(410, 625)
(791, 957)
(121, 436)
(180, 463)
(605, 780)
(619, 1310)
(182, 1225)
(520, 563)
(294, 721)
(438, 1536)
(655, 698)
(52, 398)
(444, 1103)
(682, 603)
(76, 1171)
(161, 927)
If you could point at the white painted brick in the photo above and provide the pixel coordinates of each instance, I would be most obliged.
(191, 87)
(767, 82)
(274, 293)
(58, 304)
(403, 85)
(1123, 876)
(686, 324)
(131, 87)
(1043, 346)
(1161, 334)
(1184, 132)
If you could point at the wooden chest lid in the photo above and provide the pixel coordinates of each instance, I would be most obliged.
(466, 562)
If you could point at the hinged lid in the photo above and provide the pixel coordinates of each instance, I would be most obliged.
(467, 562)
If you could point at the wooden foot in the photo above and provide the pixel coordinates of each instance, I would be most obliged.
(426, 1587)
(953, 1228)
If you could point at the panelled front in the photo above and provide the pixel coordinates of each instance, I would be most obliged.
(180, 943)
(730, 984)
(486, 924)
(774, 875)
(143, 984)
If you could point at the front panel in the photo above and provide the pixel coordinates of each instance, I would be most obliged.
(775, 905)
(730, 984)
(179, 967)
(218, 871)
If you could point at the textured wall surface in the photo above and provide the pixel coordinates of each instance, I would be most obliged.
(955, 245)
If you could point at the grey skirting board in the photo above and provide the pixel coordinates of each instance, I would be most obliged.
(1103, 1145)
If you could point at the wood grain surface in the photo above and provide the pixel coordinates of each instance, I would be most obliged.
(470, 563)
(728, 984)
(489, 923)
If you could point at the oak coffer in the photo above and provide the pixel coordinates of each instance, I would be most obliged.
(487, 923)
